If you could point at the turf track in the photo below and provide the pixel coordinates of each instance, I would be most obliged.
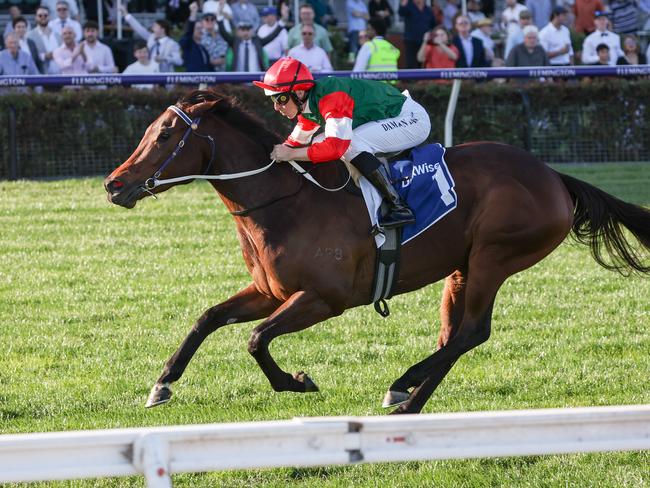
(94, 298)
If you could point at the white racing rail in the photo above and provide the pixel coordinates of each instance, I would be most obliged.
(158, 452)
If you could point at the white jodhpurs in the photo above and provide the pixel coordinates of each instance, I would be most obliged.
(410, 128)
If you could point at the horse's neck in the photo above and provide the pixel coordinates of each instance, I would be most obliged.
(260, 190)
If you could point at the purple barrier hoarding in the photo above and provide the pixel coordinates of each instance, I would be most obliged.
(407, 74)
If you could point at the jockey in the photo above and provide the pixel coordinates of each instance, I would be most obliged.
(361, 118)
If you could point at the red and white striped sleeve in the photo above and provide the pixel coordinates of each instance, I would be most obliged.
(336, 108)
(302, 132)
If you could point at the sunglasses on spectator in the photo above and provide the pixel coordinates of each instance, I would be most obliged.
(462, 22)
(245, 27)
(42, 15)
(307, 33)
(62, 8)
(209, 19)
(281, 98)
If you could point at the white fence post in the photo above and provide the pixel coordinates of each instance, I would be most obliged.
(151, 458)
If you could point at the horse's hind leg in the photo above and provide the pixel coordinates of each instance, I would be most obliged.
(474, 329)
(249, 304)
(452, 308)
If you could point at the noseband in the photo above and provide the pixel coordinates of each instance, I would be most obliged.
(193, 125)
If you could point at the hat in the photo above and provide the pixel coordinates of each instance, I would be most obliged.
(243, 24)
(525, 14)
(484, 22)
(209, 15)
(559, 10)
(269, 11)
(600, 13)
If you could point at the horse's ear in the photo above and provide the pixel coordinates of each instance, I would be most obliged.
(200, 108)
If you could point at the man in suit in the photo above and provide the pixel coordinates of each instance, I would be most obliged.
(162, 49)
(246, 51)
(19, 25)
(471, 50)
(45, 40)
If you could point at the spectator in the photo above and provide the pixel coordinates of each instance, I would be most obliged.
(357, 15)
(516, 34)
(15, 61)
(14, 13)
(381, 9)
(162, 49)
(601, 36)
(143, 65)
(470, 49)
(64, 20)
(308, 53)
(322, 39)
(541, 11)
(245, 13)
(529, 52)
(449, 13)
(214, 42)
(73, 7)
(100, 56)
(631, 52)
(474, 11)
(437, 51)
(246, 52)
(624, 15)
(584, 11)
(70, 56)
(276, 48)
(46, 40)
(418, 19)
(363, 37)
(483, 32)
(602, 50)
(377, 54)
(177, 11)
(220, 9)
(323, 14)
(196, 57)
(286, 14)
(555, 38)
(26, 45)
(510, 15)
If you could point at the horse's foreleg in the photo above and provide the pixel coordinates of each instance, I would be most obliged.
(302, 310)
(249, 304)
(452, 308)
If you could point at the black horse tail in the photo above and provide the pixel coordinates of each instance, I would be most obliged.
(599, 219)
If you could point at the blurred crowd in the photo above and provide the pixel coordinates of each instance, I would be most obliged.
(373, 35)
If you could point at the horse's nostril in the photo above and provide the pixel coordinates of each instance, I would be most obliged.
(114, 186)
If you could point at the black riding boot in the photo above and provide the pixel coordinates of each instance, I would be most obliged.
(398, 212)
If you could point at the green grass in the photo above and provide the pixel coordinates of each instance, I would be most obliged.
(94, 299)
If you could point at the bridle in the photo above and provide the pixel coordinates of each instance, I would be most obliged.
(193, 125)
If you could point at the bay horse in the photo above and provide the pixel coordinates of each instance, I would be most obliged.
(311, 256)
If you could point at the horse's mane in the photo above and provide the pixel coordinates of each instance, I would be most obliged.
(229, 109)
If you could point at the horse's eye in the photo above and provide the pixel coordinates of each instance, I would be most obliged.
(163, 136)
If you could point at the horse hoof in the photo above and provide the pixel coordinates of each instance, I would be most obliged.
(160, 393)
(302, 377)
(395, 398)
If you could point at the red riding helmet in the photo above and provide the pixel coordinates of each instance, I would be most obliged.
(286, 75)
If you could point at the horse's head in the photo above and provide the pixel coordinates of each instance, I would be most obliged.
(175, 144)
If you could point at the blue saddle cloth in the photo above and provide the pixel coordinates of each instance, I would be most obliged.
(426, 185)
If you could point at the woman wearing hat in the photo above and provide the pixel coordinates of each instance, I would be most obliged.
(361, 118)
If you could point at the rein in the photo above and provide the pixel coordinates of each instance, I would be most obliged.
(193, 125)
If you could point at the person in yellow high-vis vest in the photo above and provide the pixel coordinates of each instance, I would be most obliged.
(377, 54)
